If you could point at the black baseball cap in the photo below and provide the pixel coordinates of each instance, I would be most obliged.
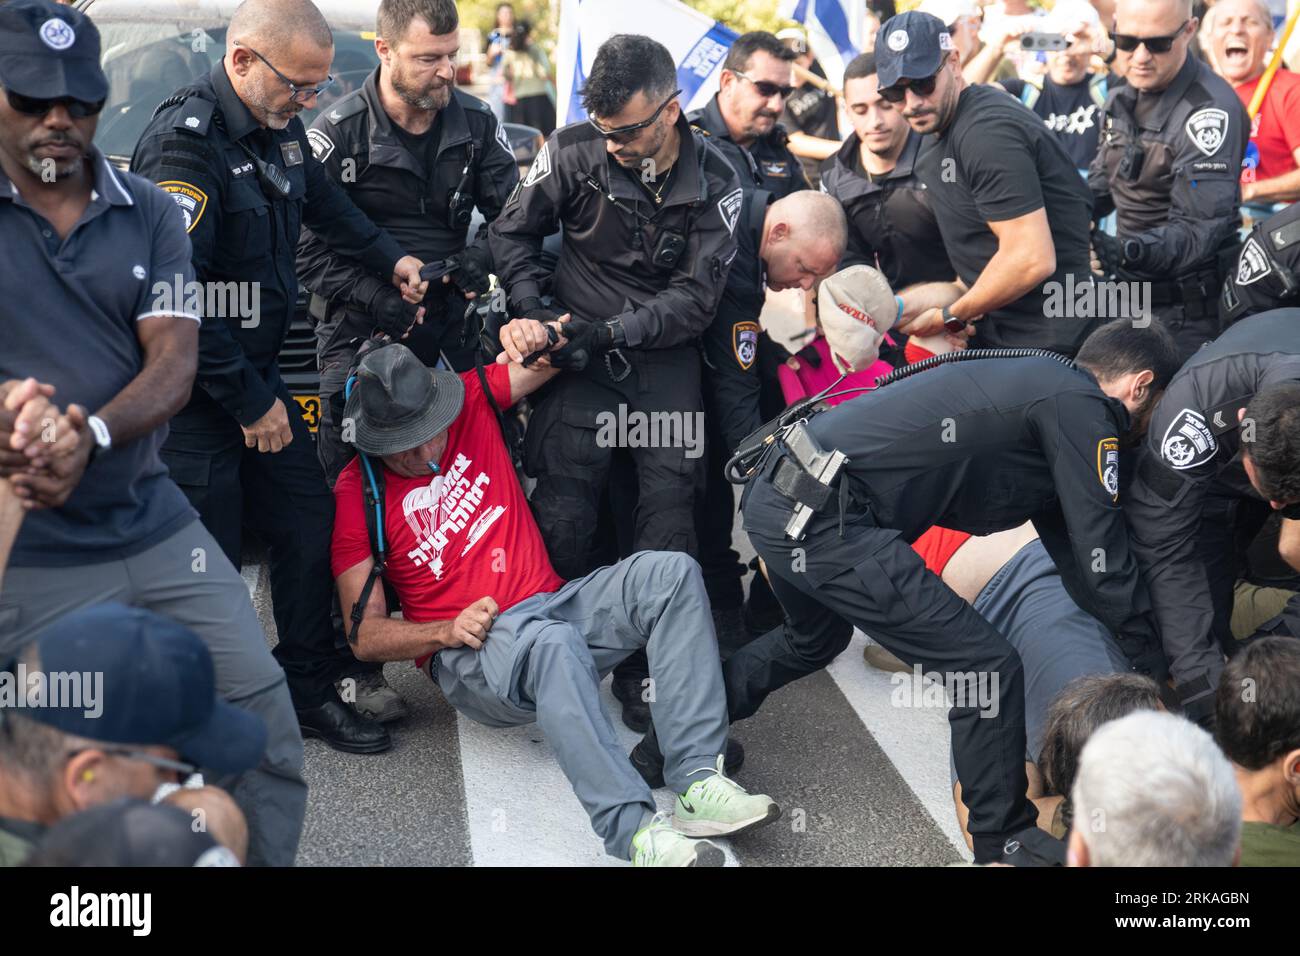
(49, 51)
(153, 683)
(911, 46)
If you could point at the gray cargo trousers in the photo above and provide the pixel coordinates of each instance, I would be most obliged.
(543, 661)
(188, 579)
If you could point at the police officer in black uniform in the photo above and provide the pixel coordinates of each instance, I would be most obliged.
(1267, 272)
(811, 113)
(793, 242)
(743, 116)
(892, 226)
(416, 155)
(1194, 500)
(649, 212)
(980, 444)
(1173, 137)
(235, 157)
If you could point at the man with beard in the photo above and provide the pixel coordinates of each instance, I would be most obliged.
(752, 92)
(649, 210)
(1011, 208)
(416, 155)
(86, 250)
(233, 154)
(980, 445)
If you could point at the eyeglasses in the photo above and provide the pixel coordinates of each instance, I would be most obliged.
(162, 763)
(625, 134)
(31, 106)
(297, 94)
(1128, 43)
(766, 88)
(898, 92)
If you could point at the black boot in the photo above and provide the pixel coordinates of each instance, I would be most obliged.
(343, 728)
(649, 762)
(636, 712)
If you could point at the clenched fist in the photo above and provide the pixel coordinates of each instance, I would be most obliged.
(470, 629)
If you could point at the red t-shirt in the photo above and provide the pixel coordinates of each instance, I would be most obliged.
(456, 536)
(1276, 129)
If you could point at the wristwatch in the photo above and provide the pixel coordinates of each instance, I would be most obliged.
(952, 323)
(99, 431)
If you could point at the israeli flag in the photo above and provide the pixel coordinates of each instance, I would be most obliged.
(697, 43)
(835, 31)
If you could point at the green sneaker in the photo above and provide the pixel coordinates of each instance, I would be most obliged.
(660, 845)
(718, 806)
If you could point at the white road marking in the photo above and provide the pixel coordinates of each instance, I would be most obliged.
(916, 739)
(252, 575)
(520, 807)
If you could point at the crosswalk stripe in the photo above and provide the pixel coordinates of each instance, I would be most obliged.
(916, 740)
(521, 809)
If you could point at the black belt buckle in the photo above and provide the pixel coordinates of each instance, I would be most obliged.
(609, 365)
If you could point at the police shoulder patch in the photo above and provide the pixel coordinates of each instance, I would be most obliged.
(1108, 466)
(1207, 129)
(504, 140)
(541, 167)
(1253, 264)
(321, 145)
(744, 341)
(192, 200)
(1188, 441)
(729, 208)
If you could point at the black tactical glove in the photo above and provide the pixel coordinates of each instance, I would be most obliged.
(1109, 252)
(472, 271)
(532, 308)
(585, 339)
(392, 314)
(1145, 657)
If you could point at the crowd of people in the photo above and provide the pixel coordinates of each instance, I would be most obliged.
(1039, 441)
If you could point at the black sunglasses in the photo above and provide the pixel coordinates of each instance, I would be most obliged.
(297, 94)
(766, 88)
(898, 92)
(1128, 43)
(625, 134)
(31, 106)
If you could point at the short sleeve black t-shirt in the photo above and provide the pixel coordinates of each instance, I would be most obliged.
(1070, 112)
(996, 162)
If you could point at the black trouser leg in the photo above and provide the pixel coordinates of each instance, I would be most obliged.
(287, 502)
(1191, 328)
(1228, 524)
(872, 579)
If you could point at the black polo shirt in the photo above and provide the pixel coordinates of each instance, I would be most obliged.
(997, 161)
(68, 310)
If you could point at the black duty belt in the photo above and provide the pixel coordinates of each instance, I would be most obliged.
(1195, 287)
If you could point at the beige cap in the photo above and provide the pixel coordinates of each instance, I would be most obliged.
(856, 308)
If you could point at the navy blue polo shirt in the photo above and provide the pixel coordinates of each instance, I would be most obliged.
(68, 314)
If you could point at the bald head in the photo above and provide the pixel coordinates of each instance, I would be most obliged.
(814, 214)
(1143, 70)
(272, 26)
(278, 55)
(804, 237)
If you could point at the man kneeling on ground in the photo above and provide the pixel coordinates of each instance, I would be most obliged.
(503, 636)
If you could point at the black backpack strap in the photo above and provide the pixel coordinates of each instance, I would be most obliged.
(372, 488)
(509, 434)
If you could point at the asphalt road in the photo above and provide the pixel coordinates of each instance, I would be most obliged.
(860, 781)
